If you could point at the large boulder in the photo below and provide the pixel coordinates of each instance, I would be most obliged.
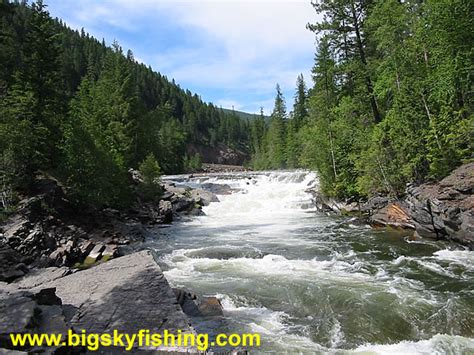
(393, 215)
(128, 293)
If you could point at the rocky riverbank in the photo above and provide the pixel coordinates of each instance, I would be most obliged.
(56, 271)
(125, 294)
(441, 210)
(48, 230)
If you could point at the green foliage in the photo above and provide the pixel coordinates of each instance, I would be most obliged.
(150, 172)
(92, 168)
(71, 105)
(300, 108)
(193, 163)
(391, 101)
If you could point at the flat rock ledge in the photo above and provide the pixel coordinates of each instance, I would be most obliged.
(124, 294)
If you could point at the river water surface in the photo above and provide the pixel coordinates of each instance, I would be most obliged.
(311, 283)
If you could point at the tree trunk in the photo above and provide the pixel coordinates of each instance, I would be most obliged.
(368, 82)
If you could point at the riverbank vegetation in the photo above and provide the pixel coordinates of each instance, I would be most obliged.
(87, 113)
(392, 98)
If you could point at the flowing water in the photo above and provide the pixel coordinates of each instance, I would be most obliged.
(310, 283)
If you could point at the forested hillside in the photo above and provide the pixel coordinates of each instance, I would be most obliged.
(392, 100)
(86, 113)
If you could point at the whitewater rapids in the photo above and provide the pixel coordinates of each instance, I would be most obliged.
(312, 283)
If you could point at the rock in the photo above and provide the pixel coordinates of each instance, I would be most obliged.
(393, 215)
(86, 247)
(166, 195)
(210, 307)
(40, 277)
(195, 306)
(218, 189)
(133, 231)
(47, 297)
(187, 301)
(182, 295)
(171, 188)
(349, 208)
(52, 320)
(18, 313)
(445, 210)
(128, 293)
(11, 274)
(28, 312)
(324, 203)
(375, 203)
(110, 251)
(184, 204)
(95, 254)
(196, 211)
(166, 210)
(11, 263)
(466, 229)
(203, 197)
(12, 352)
(135, 176)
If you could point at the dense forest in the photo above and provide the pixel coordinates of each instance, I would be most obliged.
(86, 113)
(392, 101)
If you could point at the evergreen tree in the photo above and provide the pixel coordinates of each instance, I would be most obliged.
(276, 135)
(300, 108)
(150, 172)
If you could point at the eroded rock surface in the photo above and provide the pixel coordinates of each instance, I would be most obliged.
(445, 210)
(128, 293)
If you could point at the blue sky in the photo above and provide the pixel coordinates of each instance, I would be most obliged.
(231, 53)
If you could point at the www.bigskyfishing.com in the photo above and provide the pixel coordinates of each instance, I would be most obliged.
(129, 341)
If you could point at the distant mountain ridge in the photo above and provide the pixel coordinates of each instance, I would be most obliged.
(241, 114)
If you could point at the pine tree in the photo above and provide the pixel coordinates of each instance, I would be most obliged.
(344, 21)
(300, 108)
(150, 172)
(276, 136)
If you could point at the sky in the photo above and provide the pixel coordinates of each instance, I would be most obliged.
(231, 53)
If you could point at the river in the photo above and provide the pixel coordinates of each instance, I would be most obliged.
(310, 283)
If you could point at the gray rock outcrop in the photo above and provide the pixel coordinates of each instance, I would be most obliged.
(441, 210)
(127, 294)
(445, 210)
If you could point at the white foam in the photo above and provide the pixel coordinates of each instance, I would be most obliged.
(269, 211)
(269, 197)
(269, 266)
(460, 257)
(440, 344)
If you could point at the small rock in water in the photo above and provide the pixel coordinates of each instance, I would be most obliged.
(195, 306)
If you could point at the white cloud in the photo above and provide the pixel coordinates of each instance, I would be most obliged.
(245, 45)
(229, 103)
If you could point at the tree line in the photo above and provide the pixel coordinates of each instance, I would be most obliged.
(392, 101)
(86, 113)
